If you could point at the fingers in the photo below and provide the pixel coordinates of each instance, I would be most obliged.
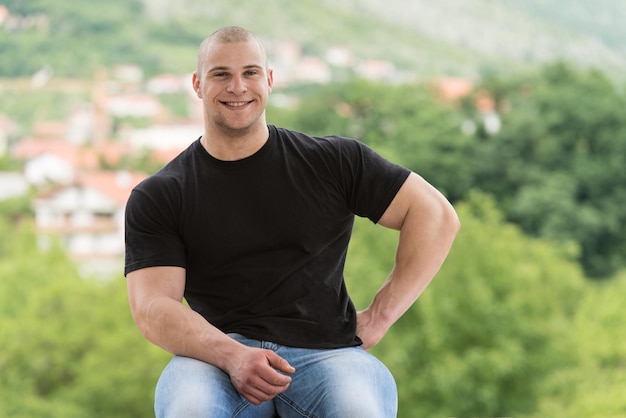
(257, 396)
(367, 331)
(263, 387)
(262, 376)
(279, 363)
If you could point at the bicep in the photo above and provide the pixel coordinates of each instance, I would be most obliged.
(147, 284)
(416, 196)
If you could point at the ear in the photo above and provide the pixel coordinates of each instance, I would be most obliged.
(270, 79)
(195, 82)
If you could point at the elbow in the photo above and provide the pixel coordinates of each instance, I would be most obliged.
(450, 222)
(139, 317)
(446, 223)
(145, 315)
(453, 220)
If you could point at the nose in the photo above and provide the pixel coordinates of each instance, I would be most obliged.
(237, 85)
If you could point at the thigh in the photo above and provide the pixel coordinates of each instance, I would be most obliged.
(338, 383)
(194, 389)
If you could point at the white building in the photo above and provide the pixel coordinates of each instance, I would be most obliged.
(87, 216)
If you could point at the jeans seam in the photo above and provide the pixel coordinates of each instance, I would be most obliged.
(291, 404)
(242, 406)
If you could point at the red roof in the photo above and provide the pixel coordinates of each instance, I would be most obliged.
(117, 185)
(451, 89)
(78, 156)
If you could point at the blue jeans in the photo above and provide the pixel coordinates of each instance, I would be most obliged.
(329, 383)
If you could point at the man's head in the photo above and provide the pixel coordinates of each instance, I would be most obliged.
(234, 82)
(226, 35)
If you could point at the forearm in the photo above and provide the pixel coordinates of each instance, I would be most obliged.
(428, 225)
(257, 374)
(181, 331)
(155, 297)
(413, 271)
(422, 249)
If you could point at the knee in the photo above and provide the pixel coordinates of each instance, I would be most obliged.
(365, 402)
(176, 397)
(370, 390)
(350, 383)
(191, 388)
(184, 403)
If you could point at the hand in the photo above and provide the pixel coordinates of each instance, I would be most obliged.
(255, 374)
(366, 329)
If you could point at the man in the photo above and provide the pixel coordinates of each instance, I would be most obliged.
(250, 225)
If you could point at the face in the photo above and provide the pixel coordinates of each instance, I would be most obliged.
(234, 85)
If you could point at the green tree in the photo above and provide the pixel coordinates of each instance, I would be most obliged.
(405, 123)
(556, 167)
(596, 386)
(491, 329)
(70, 347)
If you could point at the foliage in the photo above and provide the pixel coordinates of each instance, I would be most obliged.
(602, 342)
(16, 208)
(595, 387)
(508, 328)
(161, 36)
(70, 347)
(28, 106)
(490, 329)
(555, 167)
(557, 164)
(177, 104)
(405, 123)
(8, 164)
(86, 36)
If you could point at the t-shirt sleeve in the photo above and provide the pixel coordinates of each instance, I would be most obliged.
(371, 181)
(152, 234)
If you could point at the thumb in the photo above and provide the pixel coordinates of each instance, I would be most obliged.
(279, 363)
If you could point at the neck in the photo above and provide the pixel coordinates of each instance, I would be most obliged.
(232, 146)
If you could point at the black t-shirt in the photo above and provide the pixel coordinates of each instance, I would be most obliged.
(264, 239)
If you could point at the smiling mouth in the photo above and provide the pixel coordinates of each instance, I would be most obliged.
(236, 104)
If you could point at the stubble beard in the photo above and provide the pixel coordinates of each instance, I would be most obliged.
(237, 129)
(234, 130)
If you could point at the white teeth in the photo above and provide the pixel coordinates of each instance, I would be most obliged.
(236, 104)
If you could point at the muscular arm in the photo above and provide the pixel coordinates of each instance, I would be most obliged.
(155, 296)
(428, 225)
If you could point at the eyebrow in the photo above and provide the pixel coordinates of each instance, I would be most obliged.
(223, 68)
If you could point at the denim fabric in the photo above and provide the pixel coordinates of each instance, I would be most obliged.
(328, 383)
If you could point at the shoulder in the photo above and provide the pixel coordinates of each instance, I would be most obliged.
(169, 179)
(332, 143)
(165, 179)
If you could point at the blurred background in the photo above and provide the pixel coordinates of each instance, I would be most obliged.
(515, 109)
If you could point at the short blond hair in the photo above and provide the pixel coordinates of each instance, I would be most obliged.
(226, 35)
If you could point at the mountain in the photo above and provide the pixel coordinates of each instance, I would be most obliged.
(450, 36)
(454, 37)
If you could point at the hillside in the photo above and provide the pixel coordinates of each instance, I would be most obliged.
(454, 37)
(517, 31)
(449, 36)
